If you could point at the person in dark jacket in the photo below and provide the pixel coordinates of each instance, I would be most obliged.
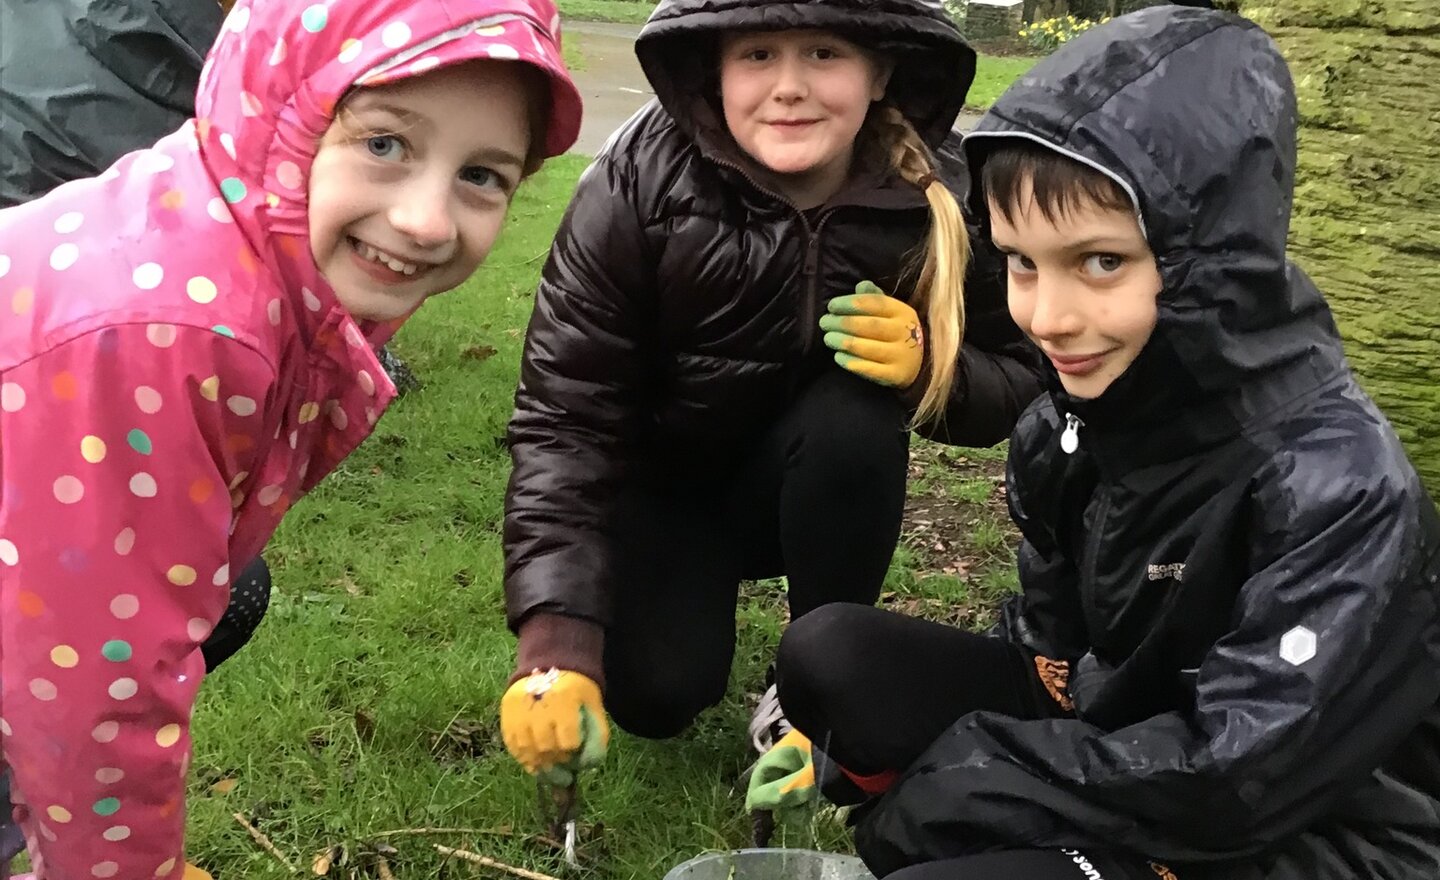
(681, 421)
(87, 81)
(1225, 661)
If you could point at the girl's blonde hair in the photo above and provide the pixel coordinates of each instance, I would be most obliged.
(940, 285)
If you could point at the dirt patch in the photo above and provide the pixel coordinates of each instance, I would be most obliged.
(957, 535)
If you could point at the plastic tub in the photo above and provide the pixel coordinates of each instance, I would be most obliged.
(772, 864)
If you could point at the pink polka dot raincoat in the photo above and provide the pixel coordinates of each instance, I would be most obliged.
(174, 373)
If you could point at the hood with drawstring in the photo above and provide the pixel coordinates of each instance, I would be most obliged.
(1227, 550)
(174, 374)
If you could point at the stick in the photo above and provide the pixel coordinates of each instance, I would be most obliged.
(384, 868)
(488, 862)
(398, 832)
(264, 841)
(499, 832)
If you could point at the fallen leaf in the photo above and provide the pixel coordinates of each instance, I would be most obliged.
(364, 725)
(225, 786)
(348, 585)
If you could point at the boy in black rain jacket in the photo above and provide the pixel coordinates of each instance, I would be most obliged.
(1226, 659)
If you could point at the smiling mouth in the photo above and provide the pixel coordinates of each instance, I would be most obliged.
(389, 261)
(1077, 365)
(794, 123)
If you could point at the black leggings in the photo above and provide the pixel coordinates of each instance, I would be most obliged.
(819, 499)
(873, 689)
(249, 598)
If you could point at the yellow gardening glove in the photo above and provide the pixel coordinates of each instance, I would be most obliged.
(554, 721)
(784, 779)
(875, 336)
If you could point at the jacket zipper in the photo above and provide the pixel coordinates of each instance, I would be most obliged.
(1070, 439)
(812, 280)
(810, 269)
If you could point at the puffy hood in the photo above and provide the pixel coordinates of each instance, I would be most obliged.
(1193, 112)
(933, 64)
(269, 90)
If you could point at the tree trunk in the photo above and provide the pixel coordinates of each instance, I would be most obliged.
(1367, 205)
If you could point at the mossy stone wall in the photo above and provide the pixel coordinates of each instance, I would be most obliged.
(1367, 205)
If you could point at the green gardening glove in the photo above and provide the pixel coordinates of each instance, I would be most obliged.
(784, 779)
(875, 336)
(593, 744)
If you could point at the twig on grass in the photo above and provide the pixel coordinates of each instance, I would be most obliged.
(400, 832)
(264, 841)
(488, 862)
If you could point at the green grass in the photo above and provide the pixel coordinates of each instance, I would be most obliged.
(367, 701)
(630, 11)
(993, 75)
(387, 631)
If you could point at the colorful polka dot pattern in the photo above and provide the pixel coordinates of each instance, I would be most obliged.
(159, 433)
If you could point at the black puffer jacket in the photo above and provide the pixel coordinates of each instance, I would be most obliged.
(1238, 558)
(678, 310)
(83, 82)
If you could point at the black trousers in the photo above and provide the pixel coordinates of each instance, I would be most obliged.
(819, 499)
(873, 689)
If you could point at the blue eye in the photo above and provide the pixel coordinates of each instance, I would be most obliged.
(479, 176)
(385, 146)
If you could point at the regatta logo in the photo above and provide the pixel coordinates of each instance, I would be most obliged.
(1174, 571)
(1083, 864)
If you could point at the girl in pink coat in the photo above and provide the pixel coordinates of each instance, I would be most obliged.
(186, 348)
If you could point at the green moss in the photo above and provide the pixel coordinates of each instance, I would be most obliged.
(1366, 222)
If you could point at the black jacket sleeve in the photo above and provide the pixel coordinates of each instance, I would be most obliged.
(576, 415)
(999, 371)
(87, 81)
(1333, 657)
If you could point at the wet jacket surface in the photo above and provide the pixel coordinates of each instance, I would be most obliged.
(677, 313)
(1238, 560)
(86, 81)
(174, 374)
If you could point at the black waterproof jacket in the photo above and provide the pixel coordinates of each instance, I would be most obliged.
(83, 82)
(1238, 559)
(677, 313)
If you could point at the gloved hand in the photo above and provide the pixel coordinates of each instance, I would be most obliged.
(784, 778)
(554, 723)
(875, 336)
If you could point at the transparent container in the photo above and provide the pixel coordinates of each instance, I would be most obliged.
(772, 864)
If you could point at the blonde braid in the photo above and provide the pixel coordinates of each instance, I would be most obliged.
(940, 287)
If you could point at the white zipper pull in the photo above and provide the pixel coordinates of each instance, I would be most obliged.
(1070, 440)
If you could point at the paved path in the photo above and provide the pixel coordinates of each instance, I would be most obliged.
(614, 87)
(610, 80)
